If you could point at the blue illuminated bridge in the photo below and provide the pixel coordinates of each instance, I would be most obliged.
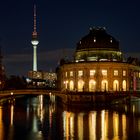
(73, 97)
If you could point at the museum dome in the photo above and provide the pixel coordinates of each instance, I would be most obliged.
(98, 39)
(98, 45)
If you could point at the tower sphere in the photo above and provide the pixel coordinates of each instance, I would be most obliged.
(34, 42)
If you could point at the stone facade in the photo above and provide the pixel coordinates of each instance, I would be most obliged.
(120, 77)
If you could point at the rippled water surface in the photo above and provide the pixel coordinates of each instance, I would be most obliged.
(36, 118)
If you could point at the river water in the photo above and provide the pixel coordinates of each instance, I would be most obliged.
(36, 118)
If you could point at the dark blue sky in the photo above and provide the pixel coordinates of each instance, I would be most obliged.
(60, 25)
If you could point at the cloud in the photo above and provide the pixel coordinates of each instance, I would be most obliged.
(20, 64)
(12, 58)
(133, 54)
(55, 55)
(42, 56)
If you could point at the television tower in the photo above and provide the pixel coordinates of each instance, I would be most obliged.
(34, 42)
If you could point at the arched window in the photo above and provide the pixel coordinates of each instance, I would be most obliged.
(124, 85)
(80, 85)
(104, 85)
(71, 85)
(92, 85)
(115, 85)
(66, 84)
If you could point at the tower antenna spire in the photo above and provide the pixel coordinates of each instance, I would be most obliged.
(34, 32)
(34, 42)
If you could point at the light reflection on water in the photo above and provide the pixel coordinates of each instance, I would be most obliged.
(1, 125)
(35, 118)
(95, 125)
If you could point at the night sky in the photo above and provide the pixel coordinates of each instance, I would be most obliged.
(60, 25)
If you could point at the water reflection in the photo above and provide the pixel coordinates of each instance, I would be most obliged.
(36, 118)
(40, 109)
(124, 126)
(11, 114)
(1, 125)
(11, 127)
(104, 124)
(94, 125)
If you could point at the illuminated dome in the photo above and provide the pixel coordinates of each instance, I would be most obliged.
(98, 46)
(98, 66)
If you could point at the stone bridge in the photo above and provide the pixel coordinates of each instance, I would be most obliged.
(72, 97)
(14, 93)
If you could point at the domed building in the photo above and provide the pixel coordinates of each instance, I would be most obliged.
(99, 66)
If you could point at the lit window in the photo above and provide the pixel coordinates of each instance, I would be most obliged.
(92, 85)
(115, 72)
(124, 72)
(92, 72)
(80, 85)
(66, 74)
(71, 85)
(38, 74)
(104, 72)
(115, 85)
(80, 73)
(66, 84)
(71, 73)
(139, 74)
(104, 85)
(124, 85)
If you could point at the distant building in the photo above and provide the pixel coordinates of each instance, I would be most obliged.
(42, 79)
(98, 66)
